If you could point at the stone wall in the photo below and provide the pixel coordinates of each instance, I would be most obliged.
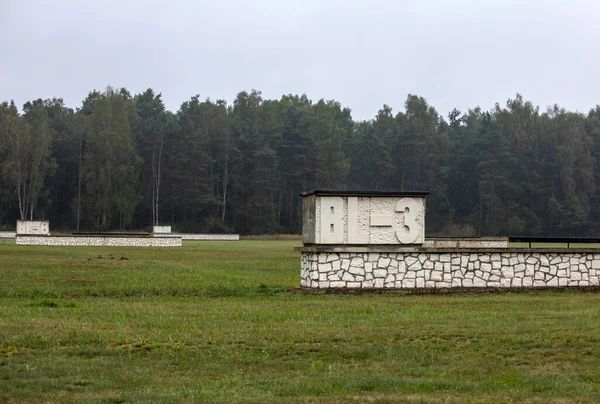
(157, 240)
(502, 268)
(97, 241)
(8, 234)
(210, 237)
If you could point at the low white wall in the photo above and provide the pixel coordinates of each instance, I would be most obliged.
(209, 237)
(8, 234)
(465, 243)
(442, 270)
(97, 241)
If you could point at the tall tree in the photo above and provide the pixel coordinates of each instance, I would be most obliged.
(255, 130)
(62, 185)
(189, 168)
(111, 163)
(26, 142)
(330, 127)
(152, 128)
(295, 154)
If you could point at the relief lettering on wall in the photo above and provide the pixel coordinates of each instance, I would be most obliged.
(33, 227)
(332, 220)
(410, 231)
(370, 220)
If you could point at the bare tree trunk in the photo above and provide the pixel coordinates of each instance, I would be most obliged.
(21, 210)
(79, 182)
(158, 177)
(33, 186)
(154, 221)
(225, 179)
(108, 209)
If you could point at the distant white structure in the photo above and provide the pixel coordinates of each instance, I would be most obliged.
(209, 237)
(33, 228)
(165, 231)
(161, 229)
(100, 241)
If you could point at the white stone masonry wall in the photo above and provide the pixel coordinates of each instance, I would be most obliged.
(439, 270)
(8, 234)
(95, 241)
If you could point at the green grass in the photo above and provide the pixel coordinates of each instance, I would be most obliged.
(209, 269)
(214, 322)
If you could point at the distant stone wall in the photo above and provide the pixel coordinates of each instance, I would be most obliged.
(466, 242)
(514, 268)
(8, 234)
(210, 237)
(97, 241)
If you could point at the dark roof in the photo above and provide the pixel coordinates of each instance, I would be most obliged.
(330, 192)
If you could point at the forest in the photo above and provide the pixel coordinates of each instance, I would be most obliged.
(122, 161)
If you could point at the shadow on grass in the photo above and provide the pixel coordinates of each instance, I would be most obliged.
(216, 290)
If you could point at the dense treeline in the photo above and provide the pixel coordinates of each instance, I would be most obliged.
(121, 161)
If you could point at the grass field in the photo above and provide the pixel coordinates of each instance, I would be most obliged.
(215, 322)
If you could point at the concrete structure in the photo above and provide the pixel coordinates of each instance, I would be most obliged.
(8, 234)
(465, 242)
(348, 217)
(161, 229)
(33, 227)
(362, 240)
(103, 240)
(37, 233)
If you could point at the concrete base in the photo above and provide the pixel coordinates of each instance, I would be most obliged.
(441, 291)
(465, 242)
(444, 269)
(100, 241)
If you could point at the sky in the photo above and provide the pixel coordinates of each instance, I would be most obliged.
(364, 54)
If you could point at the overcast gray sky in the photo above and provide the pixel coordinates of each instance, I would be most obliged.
(460, 53)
